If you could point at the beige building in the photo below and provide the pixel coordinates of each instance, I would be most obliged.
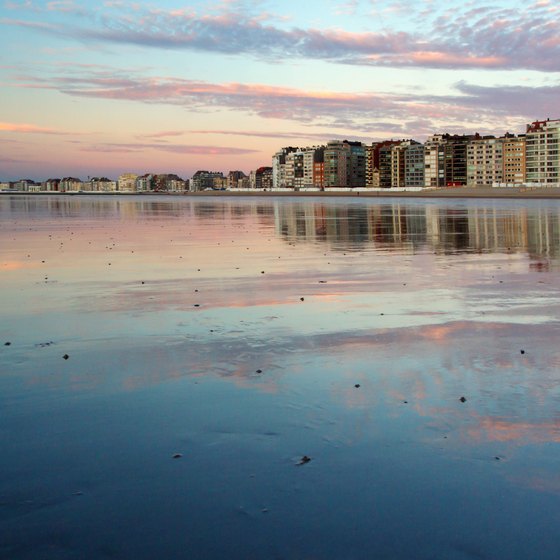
(127, 182)
(514, 160)
(485, 162)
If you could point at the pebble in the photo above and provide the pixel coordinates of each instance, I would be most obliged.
(7, 343)
(304, 459)
(177, 455)
(259, 371)
(357, 385)
(65, 357)
(463, 399)
(523, 351)
(301, 299)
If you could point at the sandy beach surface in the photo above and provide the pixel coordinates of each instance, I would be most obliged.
(212, 377)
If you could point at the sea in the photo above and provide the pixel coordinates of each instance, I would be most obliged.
(279, 378)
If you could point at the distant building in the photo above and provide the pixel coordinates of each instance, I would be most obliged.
(127, 182)
(233, 179)
(543, 152)
(99, 184)
(202, 180)
(263, 178)
(51, 185)
(145, 183)
(70, 184)
(167, 182)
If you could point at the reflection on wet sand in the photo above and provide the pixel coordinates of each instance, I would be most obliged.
(409, 349)
(439, 228)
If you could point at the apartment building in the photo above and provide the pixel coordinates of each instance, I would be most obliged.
(542, 152)
(485, 161)
(414, 165)
(514, 159)
(127, 182)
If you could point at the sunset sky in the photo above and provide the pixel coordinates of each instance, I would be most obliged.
(93, 88)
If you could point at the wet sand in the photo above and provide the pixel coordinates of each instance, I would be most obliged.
(256, 377)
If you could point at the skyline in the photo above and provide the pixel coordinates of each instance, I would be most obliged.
(91, 89)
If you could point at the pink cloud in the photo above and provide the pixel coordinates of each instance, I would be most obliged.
(27, 128)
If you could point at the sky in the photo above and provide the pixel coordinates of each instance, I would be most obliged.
(99, 88)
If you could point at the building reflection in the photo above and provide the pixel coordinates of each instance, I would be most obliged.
(443, 228)
(437, 228)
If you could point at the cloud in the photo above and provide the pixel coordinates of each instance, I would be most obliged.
(27, 128)
(171, 148)
(366, 113)
(485, 37)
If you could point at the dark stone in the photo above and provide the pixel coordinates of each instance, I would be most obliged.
(259, 371)
(523, 351)
(357, 385)
(304, 459)
(463, 399)
(65, 357)
(7, 343)
(197, 305)
(177, 455)
(301, 299)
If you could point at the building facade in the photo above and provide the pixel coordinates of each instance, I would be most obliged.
(542, 152)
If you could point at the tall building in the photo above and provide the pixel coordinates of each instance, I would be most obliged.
(414, 165)
(336, 164)
(485, 161)
(372, 176)
(434, 161)
(514, 172)
(279, 167)
(294, 171)
(543, 152)
(356, 174)
(319, 167)
(456, 159)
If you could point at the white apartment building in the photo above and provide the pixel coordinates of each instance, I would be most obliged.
(542, 152)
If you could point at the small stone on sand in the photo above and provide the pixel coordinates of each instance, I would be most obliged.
(463, 399)
(65, 357)
(177, 455)
(304, 459)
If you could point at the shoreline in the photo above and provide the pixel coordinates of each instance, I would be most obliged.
(453, 192)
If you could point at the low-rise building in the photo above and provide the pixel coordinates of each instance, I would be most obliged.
(70, 184)
(203, 179)
(127, 182)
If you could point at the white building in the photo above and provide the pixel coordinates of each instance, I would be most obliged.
(543, 156)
